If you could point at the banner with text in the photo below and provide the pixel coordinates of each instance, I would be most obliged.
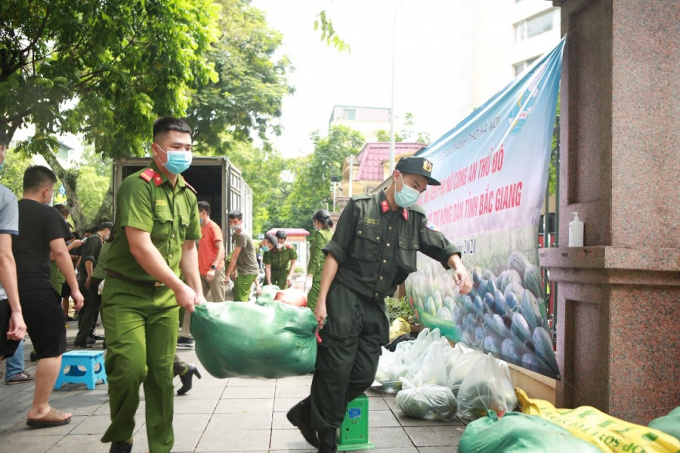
(493, 169)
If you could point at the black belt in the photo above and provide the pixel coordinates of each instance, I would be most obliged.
(119, 276)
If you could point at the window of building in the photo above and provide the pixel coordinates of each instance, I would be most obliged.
(536, 25)
(520, 67)
(349, 114)
(62, 154)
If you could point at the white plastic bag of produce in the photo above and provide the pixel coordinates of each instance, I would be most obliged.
(427, 402)
(486, 387)
(430, 367)
(462, 367)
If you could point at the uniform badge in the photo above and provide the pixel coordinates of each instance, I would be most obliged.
(427, 165)
(433, 227)
(405, 214)
(369, 221)
(160, 203)
(385, 206)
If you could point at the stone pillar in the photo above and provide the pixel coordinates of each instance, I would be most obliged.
(619, 295)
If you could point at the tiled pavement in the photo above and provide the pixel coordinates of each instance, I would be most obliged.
(217, 415)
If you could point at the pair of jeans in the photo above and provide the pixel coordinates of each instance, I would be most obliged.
(15, 364)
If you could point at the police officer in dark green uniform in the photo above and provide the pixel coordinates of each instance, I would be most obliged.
(155, 230)
(372, 251)
(279, 262)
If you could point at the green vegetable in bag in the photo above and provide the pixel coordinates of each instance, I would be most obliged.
(270, 340)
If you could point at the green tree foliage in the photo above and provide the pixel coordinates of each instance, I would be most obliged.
(251, 83)
(12, 174)
(312, 184)
(103, 69)
(107, 70)
(406, 134)
(328, 33)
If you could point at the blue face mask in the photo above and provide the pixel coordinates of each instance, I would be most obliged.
(265, 248)
(178, 161)
(407, 197)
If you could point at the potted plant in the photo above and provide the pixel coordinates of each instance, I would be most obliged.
(401, 308)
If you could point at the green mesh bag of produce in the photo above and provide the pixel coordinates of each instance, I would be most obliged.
(268, 340)
(518, 432)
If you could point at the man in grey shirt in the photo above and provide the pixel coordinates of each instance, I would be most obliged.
(12, 325)
(243, 260)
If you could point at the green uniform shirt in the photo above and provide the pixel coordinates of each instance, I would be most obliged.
(376, 247)
(146, 200)
(101, 263)
(316, 255)
(280, 258)
(56, 277)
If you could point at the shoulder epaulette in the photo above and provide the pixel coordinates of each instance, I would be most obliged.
(362, 197)
(288, 246)
(148, 174)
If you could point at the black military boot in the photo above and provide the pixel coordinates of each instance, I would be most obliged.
(186, 379)
(301, 417)
(327, 441)
(121, 446)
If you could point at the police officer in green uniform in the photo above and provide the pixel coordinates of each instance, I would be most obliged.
(322, 235)
(373, 250)
(279, 263)
(155, 230)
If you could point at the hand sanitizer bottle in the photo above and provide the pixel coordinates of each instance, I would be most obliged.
(575, 232)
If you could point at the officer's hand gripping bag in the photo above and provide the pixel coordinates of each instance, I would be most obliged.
(270, 340)
(609, 433)
(517, 432)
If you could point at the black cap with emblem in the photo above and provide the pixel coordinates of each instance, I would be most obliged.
(418, 166)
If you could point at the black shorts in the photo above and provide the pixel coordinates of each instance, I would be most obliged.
(7, 347)
(65, 290)
(45, 321)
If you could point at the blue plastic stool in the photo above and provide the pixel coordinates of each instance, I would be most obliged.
(82, 368)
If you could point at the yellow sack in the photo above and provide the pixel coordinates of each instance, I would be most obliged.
(608, 433)
(399, 327)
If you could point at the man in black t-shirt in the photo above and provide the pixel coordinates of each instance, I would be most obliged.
(41, 231)
(88, 261)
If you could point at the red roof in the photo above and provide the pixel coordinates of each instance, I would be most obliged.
(290, 231)
(373, 155)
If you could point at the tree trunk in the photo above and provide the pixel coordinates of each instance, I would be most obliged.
(68, 177)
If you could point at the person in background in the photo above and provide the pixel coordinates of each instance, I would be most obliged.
(366, 260)
(322, 225)
(279, 262)
(211, 255)
(210, 268)
(156, 229)
(88, 282)
(41, 231)
(73, 246)
(243, 260)
(12, 325)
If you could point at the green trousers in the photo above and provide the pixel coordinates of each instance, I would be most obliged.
(347, 357)
(280, 278)
(141, 326)
(242, 285)
(313, 294)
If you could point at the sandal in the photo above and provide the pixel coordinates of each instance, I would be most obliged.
(52, 418)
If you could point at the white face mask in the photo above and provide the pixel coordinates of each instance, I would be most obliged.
(279, 246)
